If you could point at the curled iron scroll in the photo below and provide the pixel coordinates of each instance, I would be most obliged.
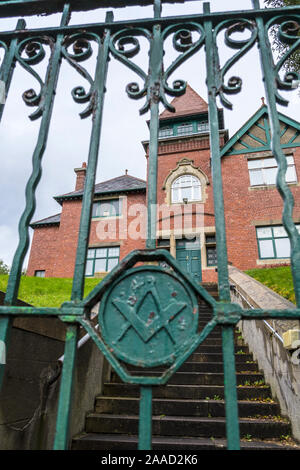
(125, 45)
(82, 51)
(183, 42)
(31, 52)
(285, 30)
(234, 84)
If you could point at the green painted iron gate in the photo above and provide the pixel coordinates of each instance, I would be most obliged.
(126, 336)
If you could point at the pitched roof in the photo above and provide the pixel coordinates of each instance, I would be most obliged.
(52, 220)
(255, 134)
(119, 184)
(185, 105)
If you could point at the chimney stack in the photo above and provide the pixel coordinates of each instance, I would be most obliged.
(80, 173)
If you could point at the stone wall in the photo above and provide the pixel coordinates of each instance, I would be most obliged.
(266, 344)
(29, 395)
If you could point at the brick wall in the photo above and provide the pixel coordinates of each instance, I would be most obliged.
(44, 250)
(198, 151)
(54, 247)
(246, 207)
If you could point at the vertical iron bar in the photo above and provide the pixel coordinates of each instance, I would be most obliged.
(66, 389)
(145, 418)
(155, 72)
(211, 64)
(230, 390)
(269, 79)
(61, 439)
(88, 195)
(8, 65)
(15, 273)
(155, 80)
(152, 177)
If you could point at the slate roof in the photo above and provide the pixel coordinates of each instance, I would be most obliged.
(121, 184)
(52, 220)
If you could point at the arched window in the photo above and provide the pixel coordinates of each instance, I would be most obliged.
(186, 188)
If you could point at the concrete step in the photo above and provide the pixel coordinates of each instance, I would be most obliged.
(213, 341)
(204, 378)
(189, 412)
(182, 426)
(176, 407)
(121, 442)
(218, 357)
(203, 367)
(204, 348)
(187, 392)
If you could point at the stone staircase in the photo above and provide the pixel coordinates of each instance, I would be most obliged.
(189, 412)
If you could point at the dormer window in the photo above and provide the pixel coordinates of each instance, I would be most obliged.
(186, 188)
(166, 131)
(202, 127)
(186, 128)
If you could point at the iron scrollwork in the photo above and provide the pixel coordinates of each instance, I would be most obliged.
(34, 51)
(82, 50)
(125, 45)
(287, 32)
(234, 84)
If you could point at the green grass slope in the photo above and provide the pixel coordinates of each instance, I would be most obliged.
(278, 279)
(48, 291)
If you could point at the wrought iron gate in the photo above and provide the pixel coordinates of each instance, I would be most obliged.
(120, 39)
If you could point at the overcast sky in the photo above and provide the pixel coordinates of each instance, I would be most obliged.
(123, 128)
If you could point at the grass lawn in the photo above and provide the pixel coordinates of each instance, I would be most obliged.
(278, 279)
(48, 291)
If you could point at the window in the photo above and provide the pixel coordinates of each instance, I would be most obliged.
(211, 250)
(163, 243)
(107, 208)
(202, 126)
(273, 242)
(101, 260)
(39, 273)
(165, 131)
(263, 171)
(186, 187)
(184, 129)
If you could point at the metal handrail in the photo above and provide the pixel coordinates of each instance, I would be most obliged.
(274, 332)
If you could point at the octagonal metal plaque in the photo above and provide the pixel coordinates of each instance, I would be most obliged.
(148, 315)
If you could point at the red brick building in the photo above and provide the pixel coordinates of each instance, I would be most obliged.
(186, 223)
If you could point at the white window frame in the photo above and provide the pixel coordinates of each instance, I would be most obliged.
(262, 165)
(178, 187)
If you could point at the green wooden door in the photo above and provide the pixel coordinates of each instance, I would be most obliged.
(188, 255)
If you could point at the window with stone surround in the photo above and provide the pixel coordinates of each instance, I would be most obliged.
(186, 188)
(211, 250)
(101, 260)
(263, 171)
(273, 242)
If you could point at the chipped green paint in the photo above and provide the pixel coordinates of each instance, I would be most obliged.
(143, 326)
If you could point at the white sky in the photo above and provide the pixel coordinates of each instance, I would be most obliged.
(123, 129)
